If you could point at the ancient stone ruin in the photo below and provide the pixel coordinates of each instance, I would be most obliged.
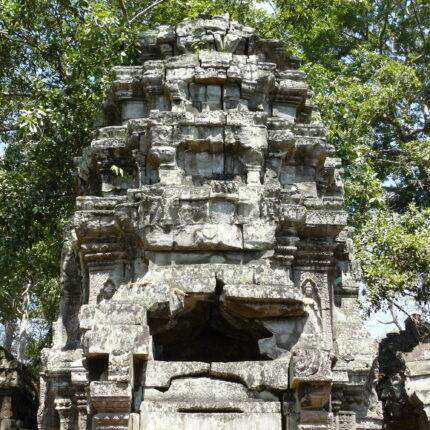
(404, 377)
(208, 278)
(18, 394)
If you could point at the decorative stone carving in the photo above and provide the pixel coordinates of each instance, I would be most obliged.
(64, 409)
(82, 406)
(309, 364)
(211, 284)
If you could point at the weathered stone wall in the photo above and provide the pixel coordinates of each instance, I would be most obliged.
(404, 380)
(18, 394)
(208, 277)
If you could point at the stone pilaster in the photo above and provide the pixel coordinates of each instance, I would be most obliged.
(82, 407)
(64, 409)
(112, 402)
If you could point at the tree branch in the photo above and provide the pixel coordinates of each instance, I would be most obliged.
(394, 316)
(352, 36)
(393, 303)
(384, 160)
(123, 10)
(33, 44)
(147, 9)
(3, 130)
(384, 28)
(8, 94)
(393, 189)
(426, 113)
(22, 38)
(385, 322)
(418, 21)
(405, 135)
(393, 151)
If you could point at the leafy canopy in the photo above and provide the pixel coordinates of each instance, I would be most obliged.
(368, 64)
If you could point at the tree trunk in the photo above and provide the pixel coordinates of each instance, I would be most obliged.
(22, 338)
(10, 328)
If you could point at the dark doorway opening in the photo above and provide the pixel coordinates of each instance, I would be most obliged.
(98, 367)
(207, 333)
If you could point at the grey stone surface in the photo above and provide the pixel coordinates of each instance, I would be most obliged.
(417, 384)
(404, 383)
(208, 404)
(213, 285)
(18, 394)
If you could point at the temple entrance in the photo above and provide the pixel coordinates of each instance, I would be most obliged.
(207, 334)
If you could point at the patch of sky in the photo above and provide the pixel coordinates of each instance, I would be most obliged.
(266, 6)
(378, 324)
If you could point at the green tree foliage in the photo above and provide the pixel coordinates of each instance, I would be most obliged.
(393, 250)
(368, 64)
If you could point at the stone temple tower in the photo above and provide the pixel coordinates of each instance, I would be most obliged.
(208, 276)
